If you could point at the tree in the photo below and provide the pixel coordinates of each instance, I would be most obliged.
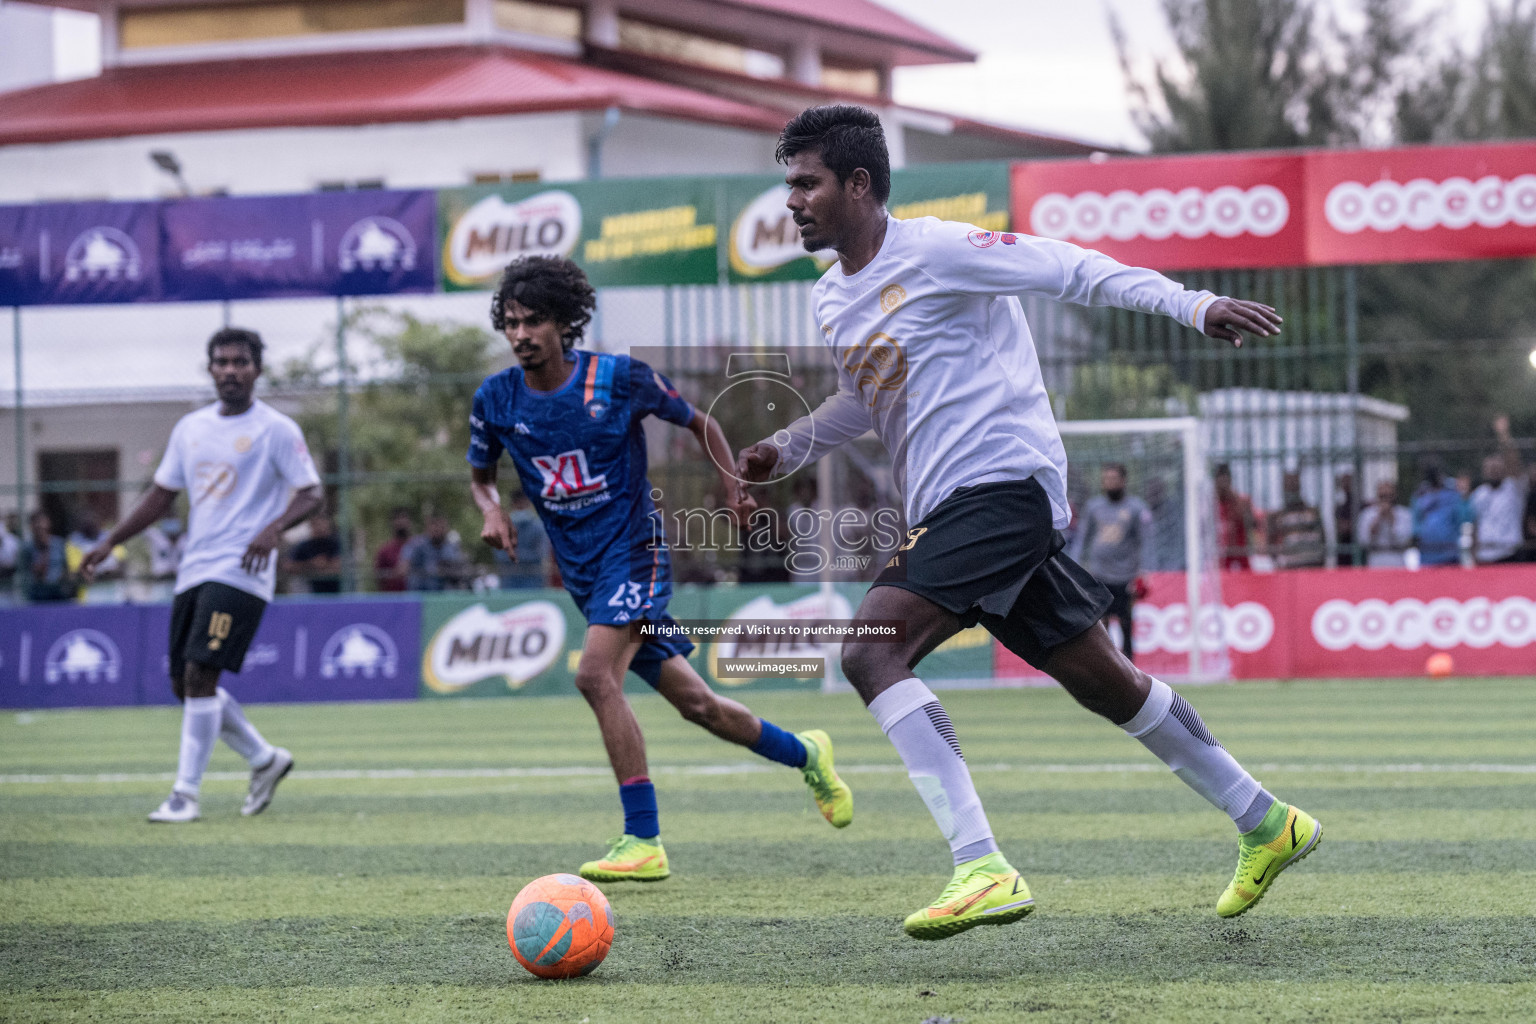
(408, 422)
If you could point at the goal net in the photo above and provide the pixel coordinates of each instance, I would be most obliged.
(1166, 469)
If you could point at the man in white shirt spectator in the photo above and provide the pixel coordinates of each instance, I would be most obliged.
(1385, 529)
(1500, 501)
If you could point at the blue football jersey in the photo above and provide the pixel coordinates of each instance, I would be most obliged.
(580, 454)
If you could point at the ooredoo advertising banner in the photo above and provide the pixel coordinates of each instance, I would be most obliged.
(323, 243)
(1421, 204)
(1172, 213)
(68, 253)
(1321, 624)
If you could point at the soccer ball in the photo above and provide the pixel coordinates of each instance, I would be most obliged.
(1440, 665)
(560, 926)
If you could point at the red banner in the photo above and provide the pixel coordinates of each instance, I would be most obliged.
(1415, 204)
(1326, 624)
(1421, 204)
(1169, 212)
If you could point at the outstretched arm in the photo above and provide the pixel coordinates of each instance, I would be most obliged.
(304, 503)
(497, 530)
(152, 506)
(712, 439)
(836, 421)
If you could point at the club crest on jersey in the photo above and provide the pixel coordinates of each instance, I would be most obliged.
(596, 408)
(566, 476)
(891, 298)
(982, 239)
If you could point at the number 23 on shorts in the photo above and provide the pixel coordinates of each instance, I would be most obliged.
(627, 596)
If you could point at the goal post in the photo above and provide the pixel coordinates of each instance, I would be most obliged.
(1165, 458)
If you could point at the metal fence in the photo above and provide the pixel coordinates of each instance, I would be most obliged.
(1294, 404)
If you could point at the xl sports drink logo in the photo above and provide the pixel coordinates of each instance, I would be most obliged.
(494, 232)
(478, 644)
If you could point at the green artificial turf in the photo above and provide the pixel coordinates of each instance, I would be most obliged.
(376, 887)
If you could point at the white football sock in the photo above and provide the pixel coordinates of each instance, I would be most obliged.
(1171, 729)
(920, 730)
(240, 734)
(199, 732)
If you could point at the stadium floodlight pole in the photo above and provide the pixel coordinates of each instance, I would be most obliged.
(343, 451)
(21, 437)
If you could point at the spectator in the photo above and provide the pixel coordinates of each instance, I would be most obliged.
(1344, 518)
(317, 559)
(1111, 543)
(166, 542)
(388, 566)
(1438, 516)
(433, 560)
(87, 535)
(1296, 529)
(45, 563)
(1166, 553)
(1499, 502)
(1530, 516)
(10, 553)
(1385, 529)
(1237, 525)
(532, 545)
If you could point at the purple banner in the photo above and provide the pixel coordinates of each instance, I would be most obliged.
(322, 243)
(69, 253)
(105, 656)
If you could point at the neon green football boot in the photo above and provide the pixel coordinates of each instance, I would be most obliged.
(832, 794)
(631, 859)
(984, 891)
(1286, 835)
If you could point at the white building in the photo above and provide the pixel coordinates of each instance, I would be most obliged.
(265, 96)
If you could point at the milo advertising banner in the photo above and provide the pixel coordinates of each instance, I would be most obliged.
(645, 231)
(763, 243)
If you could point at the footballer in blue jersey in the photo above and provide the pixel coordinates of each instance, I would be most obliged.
(571, 422)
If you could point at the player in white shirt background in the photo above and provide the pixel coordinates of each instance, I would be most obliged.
(238, 460)
(935, 356)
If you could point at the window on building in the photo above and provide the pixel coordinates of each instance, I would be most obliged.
(861, 80)
(77, 482)
(216, 23)
(359, 185)
(692, 48)
(505, 177)
(550, 20)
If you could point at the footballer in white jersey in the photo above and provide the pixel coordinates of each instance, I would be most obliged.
(248, 477)
(934, 355)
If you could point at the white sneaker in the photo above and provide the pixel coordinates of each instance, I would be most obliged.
(178, 808)
(264, 782)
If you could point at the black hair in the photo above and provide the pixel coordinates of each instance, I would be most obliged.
(237, 336)
(847, 137)
(551, 285)
(1222, 469)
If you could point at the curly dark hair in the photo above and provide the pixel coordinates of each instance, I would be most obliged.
(551, 285)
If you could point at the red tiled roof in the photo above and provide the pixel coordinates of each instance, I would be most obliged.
(346, 89)
(863, 17)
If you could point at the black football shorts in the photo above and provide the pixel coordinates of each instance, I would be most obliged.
(991, 555)
(212, 624)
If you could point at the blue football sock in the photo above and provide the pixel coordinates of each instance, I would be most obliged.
(638, 796)
(777, 745)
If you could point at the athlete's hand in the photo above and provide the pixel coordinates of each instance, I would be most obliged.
(498, 532)
(260, 550)
(755, 464)
(1227, 317)
(94, 557)
(738, 501)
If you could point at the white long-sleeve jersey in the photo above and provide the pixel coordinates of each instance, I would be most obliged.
(935, 356)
